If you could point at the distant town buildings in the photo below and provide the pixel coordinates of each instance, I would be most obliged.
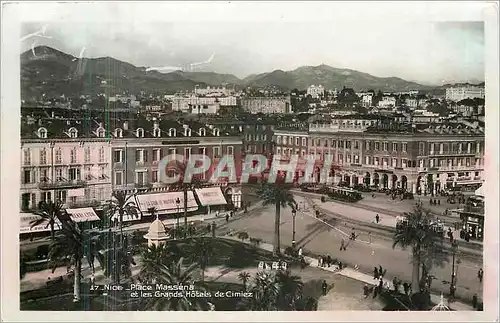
(387, 101)
(266, 104)
(316, 91)
(459, 93)
(214, 91)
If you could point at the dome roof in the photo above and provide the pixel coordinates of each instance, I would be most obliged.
(157, 231)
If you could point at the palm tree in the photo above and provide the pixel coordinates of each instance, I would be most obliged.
(416, 232)
(203, 250)
(175, 274)
(74, 243)
(291, 290)
(244, 277)
(155, 255)
(121, 205)
(279, 196)
(265, 291)
(49, 213)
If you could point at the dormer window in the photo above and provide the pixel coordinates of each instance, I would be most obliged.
(42, 133)
(202, 132)
(101, 133)
(187, 132)
(73, 133)
(216, 132)
(118, 133)
(156, 132)
(172, 132)
(140, 133)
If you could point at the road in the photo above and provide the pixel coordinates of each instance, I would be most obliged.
(319, 238)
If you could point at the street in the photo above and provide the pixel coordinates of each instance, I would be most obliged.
(319, 238)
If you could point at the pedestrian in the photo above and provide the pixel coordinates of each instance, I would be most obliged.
(406, 288)
(328, 260)
(320, 261)
(377, 218)
(300, 253)
(474, 301)
(324, 286)
(92, 279)
(227, 218)
(375, 273)
(439, 202)
(341, 265)
(380, 284)
(365, 291)
(323, 261)
(217, 213)
(480, 275)
(380, 271)
(395, 283)
(342, 245)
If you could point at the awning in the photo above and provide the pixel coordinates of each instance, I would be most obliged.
(479, 191)
(83, 214)
(25, 225)
(166, 202)
(210, 196)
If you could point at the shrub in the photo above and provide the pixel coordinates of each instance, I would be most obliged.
(290, 251)
(323, 198)
(239, 257)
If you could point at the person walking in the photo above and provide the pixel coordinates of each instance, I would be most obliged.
(380, 271)
(227, 218)
(328, 260)
(300, 253)
(480, 275)
(342, 245)
(474, 301)
(324, 286)
(375, 273)
(406, 288)
(320, 261)
(377, 218)
(365, 291)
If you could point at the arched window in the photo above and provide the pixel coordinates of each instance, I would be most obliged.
(156, 132)
(202, 132)
(172, 132)
(216, 132)
(187, 132)
(42, 133)
(101, 133)
(118, 133)
(73, 133)
(140, 133)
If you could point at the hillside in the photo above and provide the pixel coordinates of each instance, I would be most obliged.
(52, 72)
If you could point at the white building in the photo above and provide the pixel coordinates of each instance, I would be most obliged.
(367, 99)
(387, 101)
(412, 103)
(74, 170)
(464, 92)
(214, 91)
(316, 91)
(184, 103)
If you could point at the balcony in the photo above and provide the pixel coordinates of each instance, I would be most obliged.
(60, 184)
(143, 185)
(82, 204)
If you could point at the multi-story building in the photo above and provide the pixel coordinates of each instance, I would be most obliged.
(194, 104)
(138, 148)
(214, 91)
(258, 137)
(316, 91)
(291, 139)
(458, 93)
(65, 161)
(367, 99)
(267, 105)
(387, 101)
(423, 158)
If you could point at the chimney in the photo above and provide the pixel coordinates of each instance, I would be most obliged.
(125, 125)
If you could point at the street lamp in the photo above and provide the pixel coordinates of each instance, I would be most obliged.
(178, 203)
(453, 283)
(294, 213)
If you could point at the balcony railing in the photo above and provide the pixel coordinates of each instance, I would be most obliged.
(47, 185)
(84, 203)
(143, 185)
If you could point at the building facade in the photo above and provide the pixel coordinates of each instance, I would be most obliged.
(459, 93)
(316, 91)
(267, 105)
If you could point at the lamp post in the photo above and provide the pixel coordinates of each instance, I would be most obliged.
(294, 213)
(178, 203)
(453, 282)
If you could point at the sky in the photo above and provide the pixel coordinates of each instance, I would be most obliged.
(422, 42)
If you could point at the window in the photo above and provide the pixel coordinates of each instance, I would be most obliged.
(386, 146)
(278, 151)
(285, 140)
(404, 163)
(356, 159)
(202, 132)
(102, 172)
(420, 148)
(156, 155)
(376, 160)
(172, 151)
(101, 155)
(46, 196)
(73, 156)
(468, 148)
(86, 155)
(404, 147)
(296, 141)
(348, 159)
(304, 143)
(118, 178)
(59, 174)
(340, 158)
(187, 153)
(43, 157)
(265, 137)
(156, 132)
(394, 146)
(58, 156)
(44, 175)
(187, 132)
(27, 177)
(377, 145)
(27, 156)
(101, 133)
(216, 152)
(61, 196)
(230, 150)
(394, 162)
(356, 145)
(118, 133)
(367, 145)
(172, 132)
(140, 133)
(74, 174)
(140, 178)
(441, 147)
(118, 156)
(141, 156)
(216, 132)
(73, 133)
(154, 176)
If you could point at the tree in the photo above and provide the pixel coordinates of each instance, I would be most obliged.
(155, 255)
(49, 213)
(203, 250)
(121, 205)
(279, 196)
(176, 275)
(73, 243)
(291, 290)
(242, 235)
(265, 290)
(416, 232)
(244, 277)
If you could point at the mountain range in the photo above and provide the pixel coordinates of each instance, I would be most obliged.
(45, 70)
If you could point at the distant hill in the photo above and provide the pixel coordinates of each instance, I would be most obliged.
(331, 78)
(51, 72)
